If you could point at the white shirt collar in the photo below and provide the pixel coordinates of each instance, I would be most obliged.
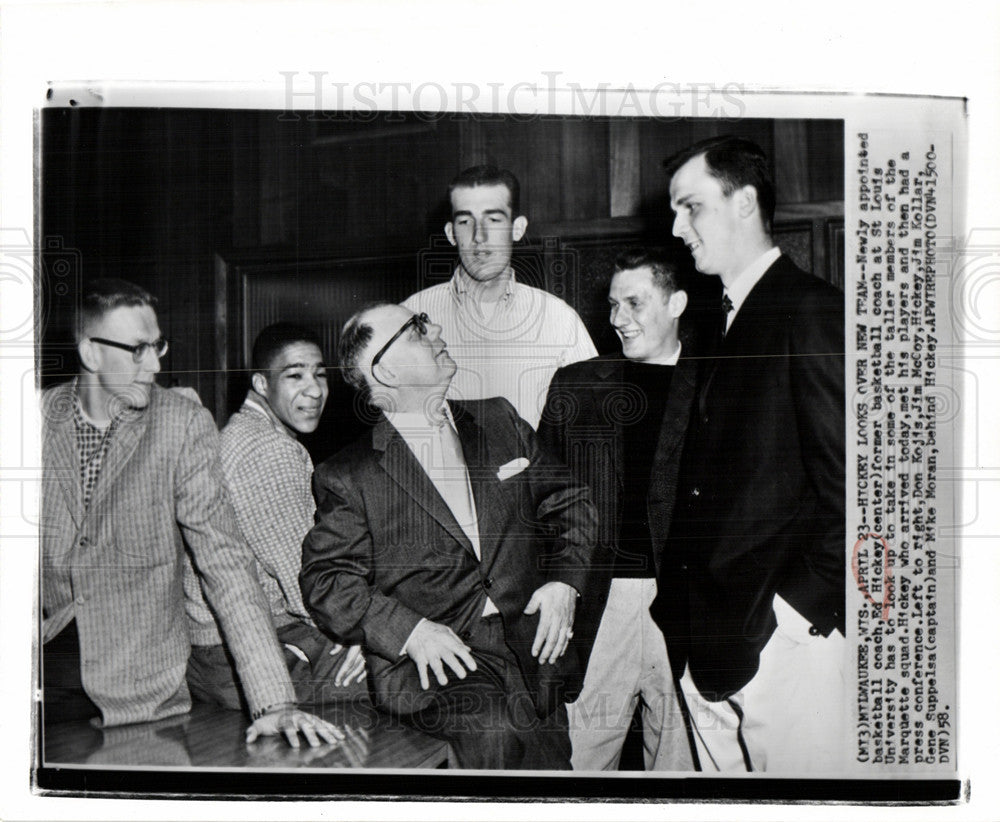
(461, 283)
(416, 423)
(748, 278)
(255, 402)
(671, 360)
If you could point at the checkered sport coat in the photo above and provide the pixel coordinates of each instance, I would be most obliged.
(118, 568)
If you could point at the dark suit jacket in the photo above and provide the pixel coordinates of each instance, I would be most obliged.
(387, 551)
(585, 412)
(760, 506)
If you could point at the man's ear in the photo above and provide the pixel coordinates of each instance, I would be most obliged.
(387, 372)
(87, 351)
(677, 303)
(259, 383)
(747, 201)
(519, 227)
(449, 232)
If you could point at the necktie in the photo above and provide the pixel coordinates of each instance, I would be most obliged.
(452, 482)
(451, 478)
(727, 306)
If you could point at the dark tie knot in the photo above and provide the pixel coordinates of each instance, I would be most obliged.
(727, 306)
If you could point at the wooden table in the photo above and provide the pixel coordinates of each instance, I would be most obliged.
(209, 736)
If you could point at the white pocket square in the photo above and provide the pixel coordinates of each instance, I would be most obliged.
(509, 469)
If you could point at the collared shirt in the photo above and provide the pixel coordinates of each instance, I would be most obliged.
(747, 279)
(445, 468)
(463, 284)
(124, 584)
(511, 351)
(268, 474)
(673, 358)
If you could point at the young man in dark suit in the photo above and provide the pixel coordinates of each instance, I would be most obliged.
(618, 421)
(454, 549)
(753, 597)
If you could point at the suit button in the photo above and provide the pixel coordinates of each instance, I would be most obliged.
(466, 635)
(488, 583)
(695, 492)
(814, 631)
(84, 542)
(684, 566)
(80, 600)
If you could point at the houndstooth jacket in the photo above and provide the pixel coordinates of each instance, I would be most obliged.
(118, 567)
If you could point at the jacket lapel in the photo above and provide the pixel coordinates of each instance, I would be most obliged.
(612, 372)
(765, 305)
(482, 477)
(61, 458)
(131, 426)
(398, 462)
(673, 430)
(674, 425)
(760, 299)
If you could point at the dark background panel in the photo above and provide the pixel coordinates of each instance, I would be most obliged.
(327, 210)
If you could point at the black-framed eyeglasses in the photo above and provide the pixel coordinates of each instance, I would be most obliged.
(159, 347)
(418, 321)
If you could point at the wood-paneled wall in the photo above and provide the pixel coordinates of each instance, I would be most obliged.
(339, 184)
(155, 195)
(145, 195)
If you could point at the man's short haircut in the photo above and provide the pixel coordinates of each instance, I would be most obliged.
(662, 267)
(272, 340)
(354, 337)
(490, 176)
(735, 163)
(105, 295)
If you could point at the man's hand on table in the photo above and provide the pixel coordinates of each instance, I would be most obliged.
(290, 721)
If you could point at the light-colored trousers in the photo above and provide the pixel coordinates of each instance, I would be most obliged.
(628, 664)
(789, 718)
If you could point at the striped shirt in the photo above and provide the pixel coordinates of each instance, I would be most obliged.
(511, 351)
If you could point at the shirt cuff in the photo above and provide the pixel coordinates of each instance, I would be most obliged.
(270, 709)
(402, 651)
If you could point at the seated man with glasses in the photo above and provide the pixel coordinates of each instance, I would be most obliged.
(453, 548)
(131, 484)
